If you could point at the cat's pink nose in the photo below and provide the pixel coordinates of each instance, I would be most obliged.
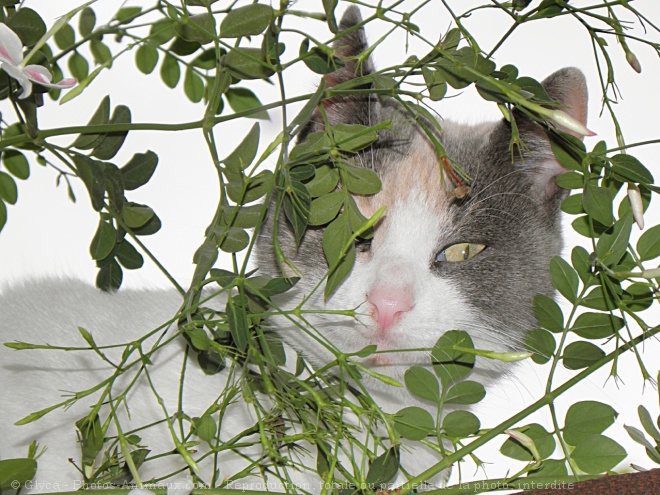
(388, 305)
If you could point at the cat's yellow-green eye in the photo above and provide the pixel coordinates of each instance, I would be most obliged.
(462, 251)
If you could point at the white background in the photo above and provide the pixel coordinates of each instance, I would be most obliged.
(47, 234)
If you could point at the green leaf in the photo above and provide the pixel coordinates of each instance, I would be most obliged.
(16, 163)
(101, 52)
(139, 170)
(126, 14)
(198, 28)
(566, 154)
(247, 63)
(647, 423)
(16, 472)
(570, 180)
(3, 215)
(104, 241)
(564, 278)
(581, 263)
(360, 180)
(302, 172)
(329, 7)
(579, 355)
(269, 287)
(326, 208)
(451, 365)
(146, 58)
(113, 141)
(249, 20)
(596, 300)
(110, 277)
(90, 438)
(335, 238)
(87, 21)
(541, 343)
(598, 454)
(319, 59)
(454, 71)
(170, 72)
(648, 245)
(435, 83)
(613, 245)
(91, 173)
(128, 256)
(136, 216)
(162, 31)
(627, 168)
(384, 468)
(572, 205)
(422, 383)
(101, 117)
(297, 205)
(597, 203)
(353, 137)
(324, 182)
(78, 66)
(257, 187)
(193, 86)
(205, 428)
(548, 313)
(544, 441)
(28, 25)
(235, 241)
(587, 418)
(241, 158)
(8, 189)
(65, 37)
(242, 99)
(466, 392)
(461, 424)
(238, 323)
(596, 325)
(551, 468)
(247, 217)
(582, 225)
(414, 423)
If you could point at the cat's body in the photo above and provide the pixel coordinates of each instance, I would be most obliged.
(407, 289)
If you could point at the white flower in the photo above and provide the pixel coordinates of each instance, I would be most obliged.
(635, 198)
(12, 62)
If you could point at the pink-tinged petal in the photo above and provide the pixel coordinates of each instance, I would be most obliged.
(64, 83)
(38, 74)
(11, 48)
(20, 77)
(636, 204)
(41, 75)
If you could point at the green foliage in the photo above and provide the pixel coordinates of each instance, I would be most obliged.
(206, 51)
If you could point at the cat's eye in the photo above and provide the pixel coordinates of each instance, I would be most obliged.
(462, 251)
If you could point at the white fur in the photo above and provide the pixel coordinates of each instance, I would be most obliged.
(50, 312)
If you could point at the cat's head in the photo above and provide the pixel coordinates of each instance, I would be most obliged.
(438, 260)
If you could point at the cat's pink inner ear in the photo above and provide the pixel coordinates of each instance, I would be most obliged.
(547, 174)
(568, 87)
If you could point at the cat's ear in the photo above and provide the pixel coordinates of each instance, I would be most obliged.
(354, 108)
(568, 88)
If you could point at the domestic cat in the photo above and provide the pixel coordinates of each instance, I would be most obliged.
(439, 260)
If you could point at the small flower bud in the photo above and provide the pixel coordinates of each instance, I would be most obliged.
(526, 442)
(633, 61)
(635, 198)
(566, 121)
(651, 273)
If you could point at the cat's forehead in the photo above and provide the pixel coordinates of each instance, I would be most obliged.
(415, 174)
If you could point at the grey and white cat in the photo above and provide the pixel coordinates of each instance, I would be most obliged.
(437, 262)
